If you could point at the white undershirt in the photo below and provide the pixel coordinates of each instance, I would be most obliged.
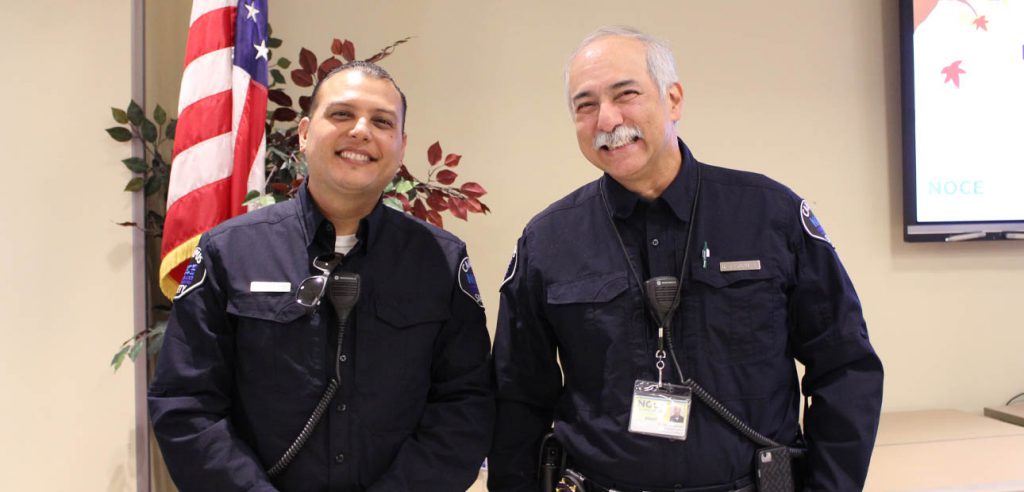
(344, 244)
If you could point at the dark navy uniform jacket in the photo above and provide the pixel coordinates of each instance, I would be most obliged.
(569, 298)
(240, 372)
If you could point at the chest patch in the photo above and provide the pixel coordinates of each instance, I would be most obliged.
(467, 282)
(195, 274)
(812, 225)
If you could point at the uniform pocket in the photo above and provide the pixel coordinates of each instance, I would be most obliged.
(600, 329)
(743, 314)
(278, 343)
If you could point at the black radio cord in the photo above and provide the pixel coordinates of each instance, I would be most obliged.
(318, 412)
(343, 291)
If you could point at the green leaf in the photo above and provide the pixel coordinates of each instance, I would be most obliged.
(391, 186)
(284, 62)
(156, 340)
(393, 203)
(136, 348)
(276, 75)
(259, 200)
(119, 357)
(404, 186)
(119, 116)
(135, 184)
(153, 184)
(135, 114)
(135, 164)
(250, 195)
(159, 115)
(171, 128)
(119, 133)
(273, 43)
(149, 131)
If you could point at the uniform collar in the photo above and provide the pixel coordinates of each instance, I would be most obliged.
(320, 232)
(678, 195)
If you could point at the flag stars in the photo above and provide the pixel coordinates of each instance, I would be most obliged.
(252, 12)
(261, 50)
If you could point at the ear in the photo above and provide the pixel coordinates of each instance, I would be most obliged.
(401, 154)
(303, 133)
(675, 100)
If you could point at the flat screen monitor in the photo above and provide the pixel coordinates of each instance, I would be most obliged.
(962, 71)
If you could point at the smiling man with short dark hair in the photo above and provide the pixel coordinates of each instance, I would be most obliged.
(328, 342)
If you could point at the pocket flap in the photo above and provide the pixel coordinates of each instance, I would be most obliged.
(410, 312)
(594, 288)
(270, 306)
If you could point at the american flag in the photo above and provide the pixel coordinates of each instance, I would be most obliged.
(220, 140)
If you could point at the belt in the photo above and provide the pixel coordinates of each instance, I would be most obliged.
(590, 485)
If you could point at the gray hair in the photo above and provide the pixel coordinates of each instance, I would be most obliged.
(661, 65)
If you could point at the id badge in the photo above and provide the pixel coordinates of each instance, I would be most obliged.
(660, 411)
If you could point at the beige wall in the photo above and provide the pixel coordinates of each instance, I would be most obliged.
(67, 420)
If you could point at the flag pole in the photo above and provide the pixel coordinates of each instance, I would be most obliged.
(140, 291)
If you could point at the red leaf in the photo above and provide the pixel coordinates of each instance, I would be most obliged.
(419, 210)
(285, 114)
(304, 103)
(348, 50)
(457, 207)
(404, 173)
(473, 189)
(279, 97)
(302, 78)
(328, 65)
(474, 205)
(336, 46)
(436, 201)
(307, 60)
(297, 181)
(434, 154)
(435, 218)
(452, 160)
(405, 201)
(279, 187)
(446, 177)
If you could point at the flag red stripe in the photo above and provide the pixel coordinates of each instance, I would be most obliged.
(212, 31)
(202, 120)
(196, 212)
(247, 142)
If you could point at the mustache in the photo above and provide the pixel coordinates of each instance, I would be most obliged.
(620, 135)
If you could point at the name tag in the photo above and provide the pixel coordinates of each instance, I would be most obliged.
(739, 266)
(258, 286)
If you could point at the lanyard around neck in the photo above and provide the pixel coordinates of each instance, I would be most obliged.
(634, 271)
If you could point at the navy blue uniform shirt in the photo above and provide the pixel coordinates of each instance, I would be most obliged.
(241, 370)
(569, 304)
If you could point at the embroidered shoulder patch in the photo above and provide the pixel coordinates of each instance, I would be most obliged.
(511, 270)
(812, 225)
(467, 282)
(195, 274)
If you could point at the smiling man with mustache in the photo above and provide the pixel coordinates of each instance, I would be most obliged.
(667, 288)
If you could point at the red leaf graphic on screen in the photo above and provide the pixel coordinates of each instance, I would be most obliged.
(981, 23)
(953, 72)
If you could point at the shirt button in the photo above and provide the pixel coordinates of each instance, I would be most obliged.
(342, 407)
(654, 242)
(329, 227)
(343, 358)
(340, 458)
